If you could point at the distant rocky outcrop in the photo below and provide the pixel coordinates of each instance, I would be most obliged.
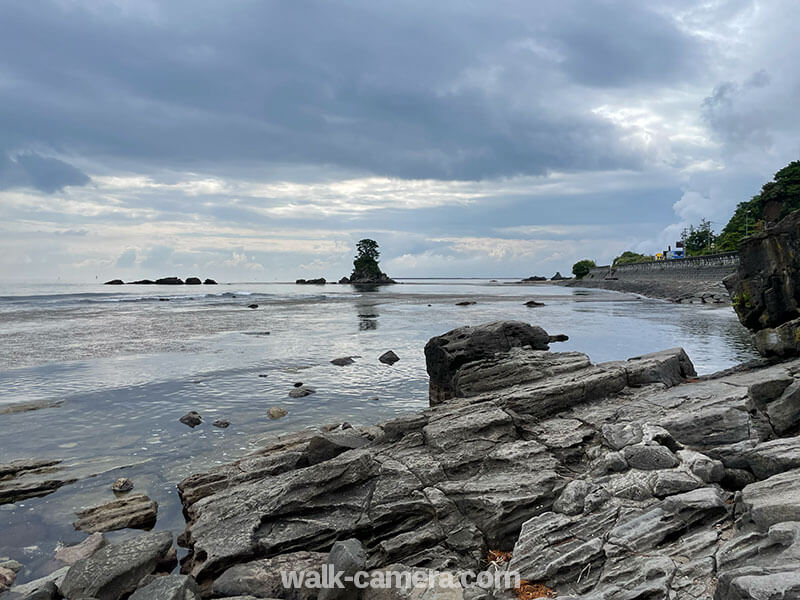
(368, 278)
(558, 277)
(765, 290)
(534, 278)
(169, 281)
(164, 281)
(318, 281)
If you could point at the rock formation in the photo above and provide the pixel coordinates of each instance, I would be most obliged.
(765, 290)
(613, 481)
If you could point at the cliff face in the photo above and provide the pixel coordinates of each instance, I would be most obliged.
(766, 288)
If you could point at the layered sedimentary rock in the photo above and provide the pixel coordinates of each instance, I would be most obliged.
(766, 288)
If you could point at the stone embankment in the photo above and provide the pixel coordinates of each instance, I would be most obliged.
(621, 480)
(694, 280)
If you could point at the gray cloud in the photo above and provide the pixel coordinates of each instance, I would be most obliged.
(413, 90)
(44, 173)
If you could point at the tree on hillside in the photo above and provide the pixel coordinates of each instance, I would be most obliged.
(581, 268)
(629, 258)
(699, 240)
(777, 199)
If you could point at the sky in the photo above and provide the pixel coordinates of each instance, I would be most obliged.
(259, 140)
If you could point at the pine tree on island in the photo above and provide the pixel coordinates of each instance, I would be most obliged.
(365, 265)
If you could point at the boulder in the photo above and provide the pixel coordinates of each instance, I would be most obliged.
(343, 361)
(301, 392)
(765, 290)
(136, 512)
(115, 282)
(344, 280)
(193, 281)
(169, 281)
(121, 485)
(169, 587)
(72, 554)
(221, 423)
(776, 499)
(533, 303)
(143, 282)
(192, 419)
(276, 412)
(252, 306)
(466, 303)
(388, 358)
(209, 282)
(347, 557)
(318, 281)
(115, 571)
(447, 353)
(7, 578)
(262, 578)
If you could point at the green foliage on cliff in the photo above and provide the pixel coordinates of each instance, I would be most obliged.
(781, 196)
(630, 258)
(581, 268)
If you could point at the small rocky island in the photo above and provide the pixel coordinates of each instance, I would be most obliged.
(365, 266)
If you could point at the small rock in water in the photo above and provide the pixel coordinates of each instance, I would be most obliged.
(72, 554)
(136, 512)
(192, 419)
(533, 303)
(276, 412)
(298, 384)
(221, 423)
(346, 425)
(123, 484)
(465, 303)
(343, 361)
(559, 337)
(373, 398)
(301, 392)
(263, 375)
(252, 306)
(388, 358)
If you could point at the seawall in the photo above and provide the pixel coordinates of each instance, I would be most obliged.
(694, 280)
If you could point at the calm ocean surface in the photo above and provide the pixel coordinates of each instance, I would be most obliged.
(119, 365)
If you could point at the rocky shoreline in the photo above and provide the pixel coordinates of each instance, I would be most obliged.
(625, 480)
(629, 479)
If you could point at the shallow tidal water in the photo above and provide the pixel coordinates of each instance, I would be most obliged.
(117, 366)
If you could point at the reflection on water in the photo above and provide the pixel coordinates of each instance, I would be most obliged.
(367, 315)
(126, 368)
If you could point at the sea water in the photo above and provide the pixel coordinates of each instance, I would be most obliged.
(113, 368)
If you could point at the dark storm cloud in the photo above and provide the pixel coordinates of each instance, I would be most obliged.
(43, 173)
(416, 90)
